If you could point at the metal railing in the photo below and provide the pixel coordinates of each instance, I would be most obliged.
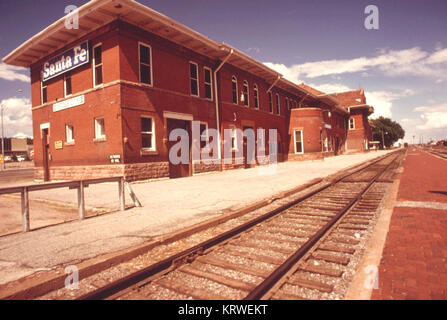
(80, 185)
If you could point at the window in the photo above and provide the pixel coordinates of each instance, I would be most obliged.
(270, 103)
(298, 139)
(203, 134)
(277, 104)
(208, 83)
(145, 59)
(67, 85)
(287, 103)
(194, 78)
(245, 93)
(43, 92)
(233, 138)
(100, 130)
(69, 133)
(147, 133)
(97, 65)
(234, 89)
(256, 96)
(351, 123)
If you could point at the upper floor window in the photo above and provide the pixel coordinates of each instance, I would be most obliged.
(277, 104)
(145, 62)
(256, 96)
(351, 123)
(97, 65)
(43, 92)
(147, 133)
(270, 103)
(287, 103)
(67, 84)
(234, 89)
(245, 93)
(194, 78)
(208, 83)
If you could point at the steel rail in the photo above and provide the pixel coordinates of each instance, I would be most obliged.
(141, 275)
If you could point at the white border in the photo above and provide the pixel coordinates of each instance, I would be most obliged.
(211, 83)
(94, 65)
(197, 80)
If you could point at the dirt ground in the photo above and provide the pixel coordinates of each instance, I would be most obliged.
(41, 214)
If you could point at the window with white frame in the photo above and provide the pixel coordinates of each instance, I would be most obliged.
(43, 92)
(234, 89)
(204, 139)
(245, 93)
(277, 104)
(67, 84)
(69, 133)
(256, 96)
(100, 129)
(208, 83)
(145, 63)
(351, 123)
(298, 140)
(97, 65)
(270, 103)
(147, 133)
(194, 78)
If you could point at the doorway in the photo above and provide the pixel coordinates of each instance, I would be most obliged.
(45, 154)
(182, 169)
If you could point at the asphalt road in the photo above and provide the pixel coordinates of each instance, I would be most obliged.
(12, 177)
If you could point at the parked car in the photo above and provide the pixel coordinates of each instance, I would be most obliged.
(20, 158)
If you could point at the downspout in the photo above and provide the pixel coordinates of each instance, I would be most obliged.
(219, 151)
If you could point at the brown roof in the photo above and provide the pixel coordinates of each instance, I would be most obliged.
(351, 98)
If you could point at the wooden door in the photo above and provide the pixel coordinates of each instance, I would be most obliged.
(179, 170)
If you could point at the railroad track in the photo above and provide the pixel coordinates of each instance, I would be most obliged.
(442, 153)
(287, 253)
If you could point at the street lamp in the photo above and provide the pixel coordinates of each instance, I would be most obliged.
(2, 106)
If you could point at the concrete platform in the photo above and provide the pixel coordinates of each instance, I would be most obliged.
(168, 206)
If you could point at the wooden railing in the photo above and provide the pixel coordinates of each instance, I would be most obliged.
(80, 185)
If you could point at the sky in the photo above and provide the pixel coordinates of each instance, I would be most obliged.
(402, 66)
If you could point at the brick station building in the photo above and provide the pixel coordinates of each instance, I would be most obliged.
(106, 96)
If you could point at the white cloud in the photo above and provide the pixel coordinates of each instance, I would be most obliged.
(17, 117)
(433, 117)
(12, 73)
(413, 61)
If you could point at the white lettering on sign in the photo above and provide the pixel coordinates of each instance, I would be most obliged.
(67, 61)
(70, 103)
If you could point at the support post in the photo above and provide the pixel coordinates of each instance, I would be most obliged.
(25, 210)
(81, 201)
(121, 194)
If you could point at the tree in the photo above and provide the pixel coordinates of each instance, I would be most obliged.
(387, 130)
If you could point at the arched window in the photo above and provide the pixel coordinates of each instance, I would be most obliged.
(234, 89)
(245, 94)
(256, 96)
